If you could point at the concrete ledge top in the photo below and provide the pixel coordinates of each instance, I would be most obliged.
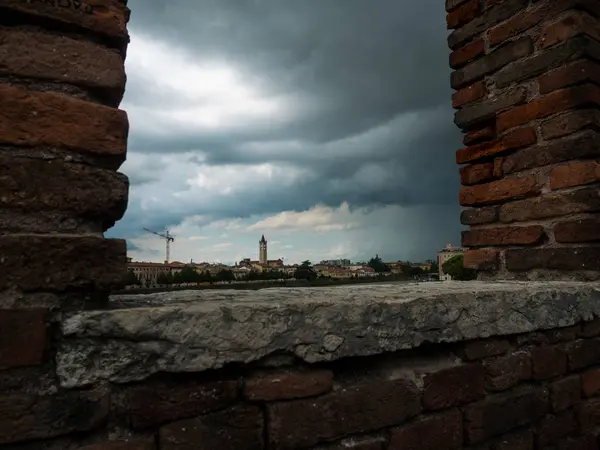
(193, 331)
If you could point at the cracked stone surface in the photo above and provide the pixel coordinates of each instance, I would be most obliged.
(193, 331)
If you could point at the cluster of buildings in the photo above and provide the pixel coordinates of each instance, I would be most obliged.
(148, 273)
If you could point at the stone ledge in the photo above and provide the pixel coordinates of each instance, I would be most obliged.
(193, 331)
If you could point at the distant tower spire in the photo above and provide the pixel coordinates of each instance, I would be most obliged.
(262, 250)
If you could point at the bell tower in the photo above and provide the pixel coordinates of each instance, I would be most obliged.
(262, 250)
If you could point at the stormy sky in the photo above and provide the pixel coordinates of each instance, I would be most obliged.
(324, 124)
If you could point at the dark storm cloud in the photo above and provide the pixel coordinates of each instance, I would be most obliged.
(354, 65)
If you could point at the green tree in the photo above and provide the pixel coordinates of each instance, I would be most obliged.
(132, 279)
(378, 265)
(305, 271)
(456, 269)
(225, 275)
(165, 278)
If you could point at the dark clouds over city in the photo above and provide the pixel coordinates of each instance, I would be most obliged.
(324, 124)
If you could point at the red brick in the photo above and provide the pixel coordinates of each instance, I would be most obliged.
(105, 17)
(555, 102)
(485, 348)
(480, 135)
(469, 94)
(237, 428)
(79, 62)
(130, 444)
(570, 122)
(151, 404)
(581, 230)
(561, 259)
(590, 383)
(354, 410)
(573, 24)
(499, 191)
(553, 428)
(476, 173)
(588, 414)
(565, 393)
(483, 237)
(101, 263)
(478, 216)
(576, 173)
(583, 353)
(453, 386)
(548, 362)
(26, 417)
(463, 14)
(469, 52)
(434, 432)
(288, 385)
(575, 73)
(584, 200)
(514, 140)
(590, 329)
(453, 4)
(23, 337)
(507, 371)
(31, 118)
(500, 413)
(482, 260)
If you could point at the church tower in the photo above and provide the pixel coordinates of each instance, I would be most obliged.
(262, 250)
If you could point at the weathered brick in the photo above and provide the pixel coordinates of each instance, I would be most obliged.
(489, 18)
(482, 260)
(568, 26)
(580, 71)
(516, 139)
(61, 262)
(505, 372)
(463, 14)
(588, 414)
(108, 18)
(548, 362)
(231, 429)
(129, 444)
(485, 110)
(517, 440)
(587, 442)
(435, 432)
(74, 189)
(478, 216)
(555, 102)
(469, 94)
(469, 52)
(561, 259)
(590, 329)
(580, 201)
(565, 393)
(580, 230)
(288, 385)
(23, 337)
(25, 417)
(477, 136)
(485, 65)
(483, 237)
(151, 404)
(31, 118)
(539, 63)
(476, 173)
(79, 62)
(453, 386)
(570, 122)
(484, 348)
(590, 383)
(553, 428)
(583, 353)
(581, 146)
(353, 410)
(499, 413)
(498, 191)
(453, 4)
(574, 174)
(354, 443)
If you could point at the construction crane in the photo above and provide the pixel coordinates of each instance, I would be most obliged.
(168, 238)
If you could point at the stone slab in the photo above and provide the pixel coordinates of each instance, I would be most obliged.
(193, 331)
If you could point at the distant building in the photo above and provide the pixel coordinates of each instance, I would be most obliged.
(336, 262)
(443, 256)
(262, 251)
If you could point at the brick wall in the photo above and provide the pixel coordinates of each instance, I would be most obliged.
(527, 81)
(539, 390)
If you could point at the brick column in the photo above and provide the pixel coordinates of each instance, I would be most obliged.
(62, 139)
(527, 76)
